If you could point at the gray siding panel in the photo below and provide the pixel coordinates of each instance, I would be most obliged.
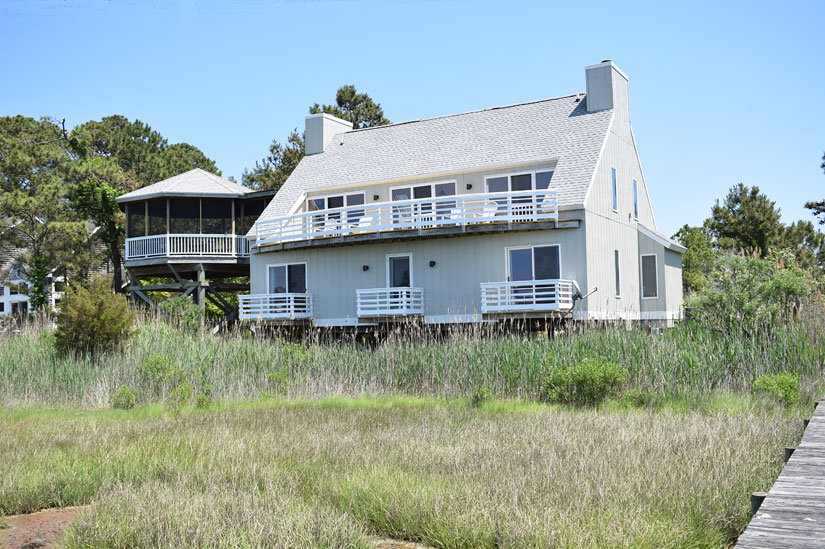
(451, 287)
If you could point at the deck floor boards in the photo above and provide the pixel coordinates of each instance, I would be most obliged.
(793, 513)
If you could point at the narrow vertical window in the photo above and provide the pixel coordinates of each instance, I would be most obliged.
(616, 270)
(615, 193)
(635, 200)
(650, 277)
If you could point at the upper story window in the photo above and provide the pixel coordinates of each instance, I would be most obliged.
(519, 182)
(417, 192)
(650, 277)
(635, 200)
(615, 192)
(331, 202)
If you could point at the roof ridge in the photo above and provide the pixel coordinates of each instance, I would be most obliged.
(579, 94)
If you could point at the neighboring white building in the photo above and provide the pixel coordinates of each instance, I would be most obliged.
(13, 298)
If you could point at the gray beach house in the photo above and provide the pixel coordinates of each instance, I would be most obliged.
(531, 211)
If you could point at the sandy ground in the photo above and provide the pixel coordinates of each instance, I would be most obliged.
(44, 529)
(41, 529)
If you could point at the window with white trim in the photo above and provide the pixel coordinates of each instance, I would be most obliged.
(335, 201)
(287, 278)
(650, 277)
(534, 263)
(635, 200)
(616, 271)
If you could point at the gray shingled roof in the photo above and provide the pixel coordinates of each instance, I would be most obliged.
(195, 182)
(8, 257)
(518, 134)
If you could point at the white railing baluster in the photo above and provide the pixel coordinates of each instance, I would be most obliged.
(287, 306)
(375, 302)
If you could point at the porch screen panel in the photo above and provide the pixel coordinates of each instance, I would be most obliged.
(184, 215)
(547, 262)
(252, 210)
(217, 216)
(649, 276)
(157, 216)
(137, 219)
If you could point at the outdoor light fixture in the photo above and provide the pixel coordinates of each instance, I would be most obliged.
(469, 186)
(432, 263)
(375, 197)
(365, 267)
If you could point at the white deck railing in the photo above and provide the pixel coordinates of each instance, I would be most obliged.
(275, 306)
(181, 245)
(390, 302)
(527, 295)
(427, 213)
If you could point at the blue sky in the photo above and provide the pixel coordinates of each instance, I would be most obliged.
(720, 92)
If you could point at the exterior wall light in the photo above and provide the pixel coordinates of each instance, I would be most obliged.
(365, 268)
(432, 263)
(375, 197)
(469, 186)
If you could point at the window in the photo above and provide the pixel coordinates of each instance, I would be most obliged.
(288, 278)
(184, 215)
(399, 271)
(332, 202)
(419, 192)
(616, 269)
(615, 192)
(534, 263)
(519, 182)
(635, 200)
(650, 277)
(252, 209)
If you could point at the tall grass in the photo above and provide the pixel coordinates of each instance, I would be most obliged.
(686, 360)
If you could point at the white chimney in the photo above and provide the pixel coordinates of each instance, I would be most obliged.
(606, 88)
(320, 129)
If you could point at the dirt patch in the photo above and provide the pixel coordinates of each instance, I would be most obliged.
(381, 543)
(41, 529)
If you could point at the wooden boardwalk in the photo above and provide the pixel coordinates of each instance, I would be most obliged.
(793, 513)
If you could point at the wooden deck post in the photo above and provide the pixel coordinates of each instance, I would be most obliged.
(200, 292)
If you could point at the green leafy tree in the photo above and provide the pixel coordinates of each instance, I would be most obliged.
(34, 211)
(818, 207)
(746, 220)
(358, 108)
(276, 167)
(749, 293)
(698, 260)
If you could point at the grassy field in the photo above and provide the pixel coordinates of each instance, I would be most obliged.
(688, 362)
(328, 473)
(243, 441)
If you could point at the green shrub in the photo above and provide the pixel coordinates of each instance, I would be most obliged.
(479, 396)
(158, 371)
(181, 395)
(183, 313)
(639, 397)
(783, 387)
(124, 398)
(92, 318)
(203, 402)
(584, 384)
(279, 380)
